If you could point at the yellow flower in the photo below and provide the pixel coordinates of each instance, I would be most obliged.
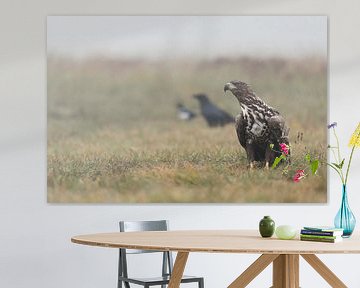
(355, 138)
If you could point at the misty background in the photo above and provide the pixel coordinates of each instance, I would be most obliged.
(114, 84)
(201, 37)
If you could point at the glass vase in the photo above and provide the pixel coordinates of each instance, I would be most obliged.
(345, 219)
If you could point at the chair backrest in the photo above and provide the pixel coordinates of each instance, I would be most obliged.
(134, 226)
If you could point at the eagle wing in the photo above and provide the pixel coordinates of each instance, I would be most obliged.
(279, 133)
(240, 125)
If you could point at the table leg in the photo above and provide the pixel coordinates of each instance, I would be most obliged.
(324, 271)
(253, 270)
(286, 271)
(178, 270)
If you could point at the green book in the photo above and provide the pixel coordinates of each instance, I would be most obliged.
(325, 240)
(319, 236)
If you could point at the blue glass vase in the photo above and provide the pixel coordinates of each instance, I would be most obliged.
(345, 219)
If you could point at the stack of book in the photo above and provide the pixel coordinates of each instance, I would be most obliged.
(321, 234)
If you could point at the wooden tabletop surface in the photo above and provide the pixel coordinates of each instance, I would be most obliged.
(217, 241)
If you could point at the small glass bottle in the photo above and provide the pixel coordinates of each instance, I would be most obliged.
(266, 226)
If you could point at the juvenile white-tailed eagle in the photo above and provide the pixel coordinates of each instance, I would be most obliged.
(258, 125)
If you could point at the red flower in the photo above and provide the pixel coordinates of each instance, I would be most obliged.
(300, 174)
(284, 148)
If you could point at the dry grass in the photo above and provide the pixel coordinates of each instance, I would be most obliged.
(113, 135)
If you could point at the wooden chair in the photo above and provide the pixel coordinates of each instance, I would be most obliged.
(167, 262)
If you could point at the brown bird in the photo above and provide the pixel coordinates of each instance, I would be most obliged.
(260, 128)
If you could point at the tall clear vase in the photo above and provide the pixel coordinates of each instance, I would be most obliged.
(345, 219)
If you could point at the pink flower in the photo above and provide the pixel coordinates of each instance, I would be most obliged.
(300, 174)
(284, 148)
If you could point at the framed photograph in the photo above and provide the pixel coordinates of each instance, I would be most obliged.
(187, 109)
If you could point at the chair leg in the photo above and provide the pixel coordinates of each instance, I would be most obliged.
(201, 283)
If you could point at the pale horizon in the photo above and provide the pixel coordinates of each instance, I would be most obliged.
(193, 37)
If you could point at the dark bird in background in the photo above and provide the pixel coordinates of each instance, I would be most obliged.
(213, 115)
(184, 113)
(258, 125)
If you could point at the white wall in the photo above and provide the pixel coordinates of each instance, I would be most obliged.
(35, 248)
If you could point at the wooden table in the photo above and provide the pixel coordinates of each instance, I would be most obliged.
(284, 254)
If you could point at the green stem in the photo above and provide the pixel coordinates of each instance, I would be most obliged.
(337, 171)
(336, 160)
(348, 166)
(337, 142)
(340, 159)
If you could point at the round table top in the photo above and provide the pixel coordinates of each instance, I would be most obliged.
(218, 241)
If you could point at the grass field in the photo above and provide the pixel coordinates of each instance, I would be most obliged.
(113, 134)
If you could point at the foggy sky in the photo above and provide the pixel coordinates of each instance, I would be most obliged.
(204, 37)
